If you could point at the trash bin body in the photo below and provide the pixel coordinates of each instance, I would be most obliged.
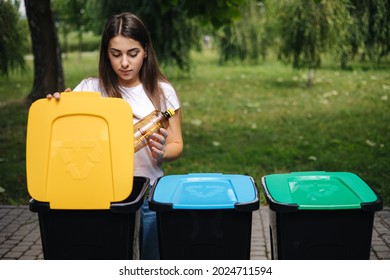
(204, 216)
(204, 234)
(92, 234)
(320, 215)
(80, 175)
(332, 235)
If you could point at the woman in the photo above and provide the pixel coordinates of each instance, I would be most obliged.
(128, 69)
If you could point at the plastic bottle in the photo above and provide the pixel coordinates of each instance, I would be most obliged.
(150, 124)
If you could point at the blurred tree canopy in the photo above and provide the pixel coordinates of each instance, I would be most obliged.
(345, 27)
(71, 15)
(309, 29)
(300, 32)
(246, 38)
(12, 42)
(371, 28)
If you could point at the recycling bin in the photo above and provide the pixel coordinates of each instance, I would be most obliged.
(320, 215)
(80, 176)
(204, 215)
(92, 234)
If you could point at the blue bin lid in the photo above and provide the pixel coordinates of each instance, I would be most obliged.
(319, 190)
(205, 191)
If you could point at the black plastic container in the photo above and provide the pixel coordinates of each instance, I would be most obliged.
(92, 234)
(204, 216)
(320, 215)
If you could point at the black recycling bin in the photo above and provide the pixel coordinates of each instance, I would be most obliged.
(320, 215)
(80, 176)
(92, 234)
(204, 215)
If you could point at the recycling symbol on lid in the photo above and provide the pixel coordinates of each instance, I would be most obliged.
(205, 191)
(80, 156)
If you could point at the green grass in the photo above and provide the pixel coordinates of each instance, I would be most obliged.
(246, 119)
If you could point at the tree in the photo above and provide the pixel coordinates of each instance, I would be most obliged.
(71, 15)
(48, 73)
(309, 28)
(11, 40)
(378, 39)
(371, 30)
(244, 38)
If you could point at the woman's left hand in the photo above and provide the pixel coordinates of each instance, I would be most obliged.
(157, 144)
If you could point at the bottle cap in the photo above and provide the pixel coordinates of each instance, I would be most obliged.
(170, 112)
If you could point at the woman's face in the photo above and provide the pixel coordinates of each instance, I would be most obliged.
(126, 56)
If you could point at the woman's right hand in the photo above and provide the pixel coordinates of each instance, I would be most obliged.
(57, 95)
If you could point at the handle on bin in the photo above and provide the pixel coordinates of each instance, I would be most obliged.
(251, 205)
(273, 204)
(158, 206)
(134, 201)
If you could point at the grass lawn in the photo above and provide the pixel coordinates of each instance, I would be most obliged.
(245, 119)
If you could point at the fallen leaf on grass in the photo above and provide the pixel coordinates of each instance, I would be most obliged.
(196, 122)
(312, 158)
(216, 144)
(370, 143)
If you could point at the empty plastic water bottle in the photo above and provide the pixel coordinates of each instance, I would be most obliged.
(144, 129)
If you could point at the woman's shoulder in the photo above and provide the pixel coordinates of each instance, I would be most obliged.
(166, 86)
(172, 100)
(88, 84)
(169, 90)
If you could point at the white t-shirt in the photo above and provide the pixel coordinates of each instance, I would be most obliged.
(144, 164)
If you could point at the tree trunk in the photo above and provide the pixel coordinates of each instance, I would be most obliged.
(310, 77)
(48, 73)
(80, 36)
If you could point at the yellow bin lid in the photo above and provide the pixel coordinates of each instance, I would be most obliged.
(80, 151)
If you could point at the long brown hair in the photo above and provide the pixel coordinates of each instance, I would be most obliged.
(130, 26)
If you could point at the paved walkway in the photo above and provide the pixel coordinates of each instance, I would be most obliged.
(20, 237)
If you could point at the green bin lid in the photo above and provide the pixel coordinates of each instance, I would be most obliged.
(318, 190)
